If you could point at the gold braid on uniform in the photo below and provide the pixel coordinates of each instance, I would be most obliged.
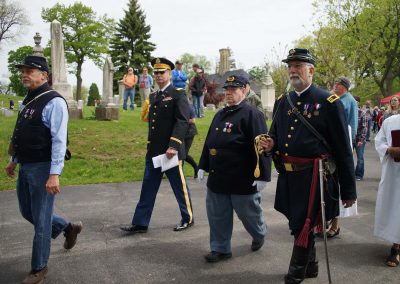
(258, 153)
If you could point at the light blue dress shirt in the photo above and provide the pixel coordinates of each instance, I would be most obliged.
(351, 110)
(55, 117)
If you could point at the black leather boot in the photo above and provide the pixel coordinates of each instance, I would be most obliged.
(312, 267)
(299, 262)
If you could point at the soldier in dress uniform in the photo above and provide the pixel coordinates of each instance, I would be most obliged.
(297, 151)
(230, 158)
(168, 124)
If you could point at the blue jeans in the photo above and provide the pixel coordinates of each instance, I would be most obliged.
(360, 161)
(220, 217)
(198, 105)
(129, 93)
(369, 129)
(36, 206)
(150, 186)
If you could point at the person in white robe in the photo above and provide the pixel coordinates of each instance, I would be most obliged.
(387, 210)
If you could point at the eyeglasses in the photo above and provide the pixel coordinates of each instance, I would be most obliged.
(159, 72)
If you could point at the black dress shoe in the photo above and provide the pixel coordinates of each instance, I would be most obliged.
(256, 245)
(215, 256)
(133, 229)
(183, 226)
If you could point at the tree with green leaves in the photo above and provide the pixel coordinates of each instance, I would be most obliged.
(130, 45)
(16, 57)
(86, 36)
(93, 95)
(188, 60)
(369, 38)
(257, 73)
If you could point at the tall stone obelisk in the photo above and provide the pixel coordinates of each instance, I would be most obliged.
(59, 71)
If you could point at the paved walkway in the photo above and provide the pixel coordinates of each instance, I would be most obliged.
(104, 254)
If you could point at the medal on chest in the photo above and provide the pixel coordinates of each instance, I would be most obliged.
(228, 127)
(316, 111)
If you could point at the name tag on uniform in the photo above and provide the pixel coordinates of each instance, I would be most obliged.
(167, 99)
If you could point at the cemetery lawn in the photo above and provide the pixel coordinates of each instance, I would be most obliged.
(102, 151)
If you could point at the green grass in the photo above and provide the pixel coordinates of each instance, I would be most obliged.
(102, 151)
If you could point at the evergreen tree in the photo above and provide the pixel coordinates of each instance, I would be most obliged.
(93, 94)
(130, 45)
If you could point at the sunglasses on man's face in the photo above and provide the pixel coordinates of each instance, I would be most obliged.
(159, 72)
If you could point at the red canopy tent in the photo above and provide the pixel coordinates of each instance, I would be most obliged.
(387, 99)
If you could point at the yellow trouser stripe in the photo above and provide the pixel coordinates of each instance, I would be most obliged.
(185, 192)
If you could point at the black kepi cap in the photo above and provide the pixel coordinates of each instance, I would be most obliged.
(235, 81)
(299, 54)
(162, 64)
(34, 62)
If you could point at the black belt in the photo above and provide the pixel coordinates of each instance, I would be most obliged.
(219, 151)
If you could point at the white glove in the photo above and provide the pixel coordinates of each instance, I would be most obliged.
(260, 184)
(200, 175)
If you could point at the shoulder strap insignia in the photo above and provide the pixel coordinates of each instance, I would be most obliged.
(333, 98)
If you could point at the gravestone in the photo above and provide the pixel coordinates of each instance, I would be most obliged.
(211, 107)
(268, 94)
(59, 71)
(107, 110)
(121, 90)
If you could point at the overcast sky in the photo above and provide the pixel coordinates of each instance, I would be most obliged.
(251, 28)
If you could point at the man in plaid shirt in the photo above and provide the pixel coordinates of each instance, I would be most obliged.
(361, 135)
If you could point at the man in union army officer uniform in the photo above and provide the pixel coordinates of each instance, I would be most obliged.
(297, 151)
(168, 123)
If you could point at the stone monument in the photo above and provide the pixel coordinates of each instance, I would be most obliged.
(224, 54)
(107, 110)
(59, 71)
(267, 93)
(37, 50)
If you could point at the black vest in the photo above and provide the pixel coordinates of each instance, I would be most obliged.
(31, 139)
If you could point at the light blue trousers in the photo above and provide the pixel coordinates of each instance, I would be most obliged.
(220, 209)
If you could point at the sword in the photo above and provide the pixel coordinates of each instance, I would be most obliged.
(321, 185)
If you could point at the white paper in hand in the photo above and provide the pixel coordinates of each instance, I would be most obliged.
(157, 161)
(167, 164)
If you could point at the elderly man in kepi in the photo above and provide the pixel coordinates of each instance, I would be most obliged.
(168, 124)
(309, 126)
(39, 146)
(236, 171)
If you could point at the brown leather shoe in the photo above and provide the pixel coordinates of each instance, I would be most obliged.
(70, 237)
(36, 277)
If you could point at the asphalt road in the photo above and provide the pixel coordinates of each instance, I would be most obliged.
(104, 254)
